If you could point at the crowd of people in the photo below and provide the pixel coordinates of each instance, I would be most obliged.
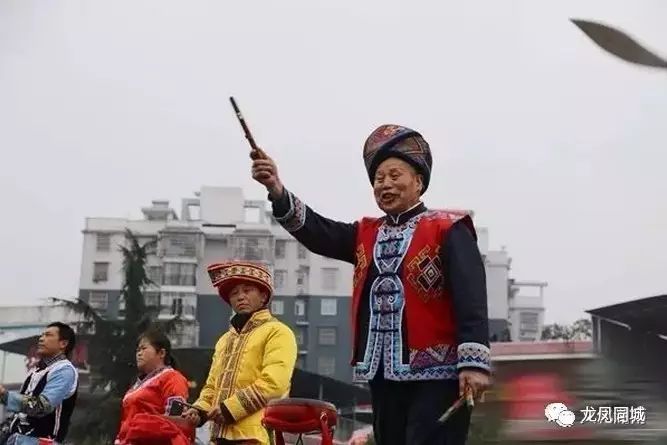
(419, 324)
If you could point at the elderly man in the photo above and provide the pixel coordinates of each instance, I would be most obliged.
(420, 321)
(253, 361)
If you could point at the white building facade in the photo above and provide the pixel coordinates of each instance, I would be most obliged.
(312, 292)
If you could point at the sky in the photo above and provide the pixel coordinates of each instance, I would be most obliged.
(556, 146)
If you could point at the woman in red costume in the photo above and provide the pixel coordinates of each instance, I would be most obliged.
(144, 418)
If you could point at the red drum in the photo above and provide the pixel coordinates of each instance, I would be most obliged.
(300, 416)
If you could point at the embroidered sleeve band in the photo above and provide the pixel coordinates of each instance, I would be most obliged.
(474, 355)
(245, 402)
(295, 218)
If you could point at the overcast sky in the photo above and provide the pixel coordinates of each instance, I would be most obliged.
(558, 147)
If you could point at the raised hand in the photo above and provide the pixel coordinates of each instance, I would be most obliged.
(265, 171)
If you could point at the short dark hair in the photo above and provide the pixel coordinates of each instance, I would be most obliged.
(159, 340)
(65, 332)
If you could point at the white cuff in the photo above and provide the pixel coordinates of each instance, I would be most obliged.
(474, 355)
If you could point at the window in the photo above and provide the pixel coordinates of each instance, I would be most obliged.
(528, 321)
(300, 308)
(152, 299)
(103, 242)
(278, 307)
(178, 303)
(329, 278)
(327, 336)
(100, 272)
(280, 249)
(98, 300)
(529, 317)
(179, 274)
(301, 252)
(279, 279)
(328, 306)
(302, 276)
(252, 248)
(155, 274)
(301, 337)
(183, 245)
(326, 365)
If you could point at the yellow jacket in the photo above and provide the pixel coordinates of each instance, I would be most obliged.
(249, 369)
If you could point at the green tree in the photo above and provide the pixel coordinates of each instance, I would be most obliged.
(581, 329)
(112, 346)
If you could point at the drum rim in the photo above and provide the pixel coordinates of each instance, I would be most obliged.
(306, 403)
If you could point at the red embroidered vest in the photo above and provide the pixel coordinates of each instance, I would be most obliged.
(420, 303)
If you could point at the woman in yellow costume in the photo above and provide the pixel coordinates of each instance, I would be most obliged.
(253, 361)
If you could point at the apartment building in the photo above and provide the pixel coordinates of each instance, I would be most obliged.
(218, 223)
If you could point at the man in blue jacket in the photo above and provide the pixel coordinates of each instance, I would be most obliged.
(44, 405)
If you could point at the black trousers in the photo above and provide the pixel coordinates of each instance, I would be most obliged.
(406, 413)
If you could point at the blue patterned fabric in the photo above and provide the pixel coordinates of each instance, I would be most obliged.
(474, 355)
(387, 303)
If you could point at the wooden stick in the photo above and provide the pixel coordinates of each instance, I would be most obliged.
(465, 399)
(470, 401)
(452, 409)
(246, 130)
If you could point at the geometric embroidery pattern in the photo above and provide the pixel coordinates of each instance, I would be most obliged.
(251, 399)
(361, 264)
(434, 356)
(220, 272)
(425, 273)
(387, 302)
(475, 355)
(295, 218)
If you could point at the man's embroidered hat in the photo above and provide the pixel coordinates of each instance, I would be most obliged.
(389, 141)
(225, 276)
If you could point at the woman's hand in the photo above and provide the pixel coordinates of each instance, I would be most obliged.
(192, 416)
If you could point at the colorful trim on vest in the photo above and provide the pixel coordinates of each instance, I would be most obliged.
(295, 218)
(387, 302)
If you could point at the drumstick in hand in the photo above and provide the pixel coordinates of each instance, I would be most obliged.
(255, 152)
